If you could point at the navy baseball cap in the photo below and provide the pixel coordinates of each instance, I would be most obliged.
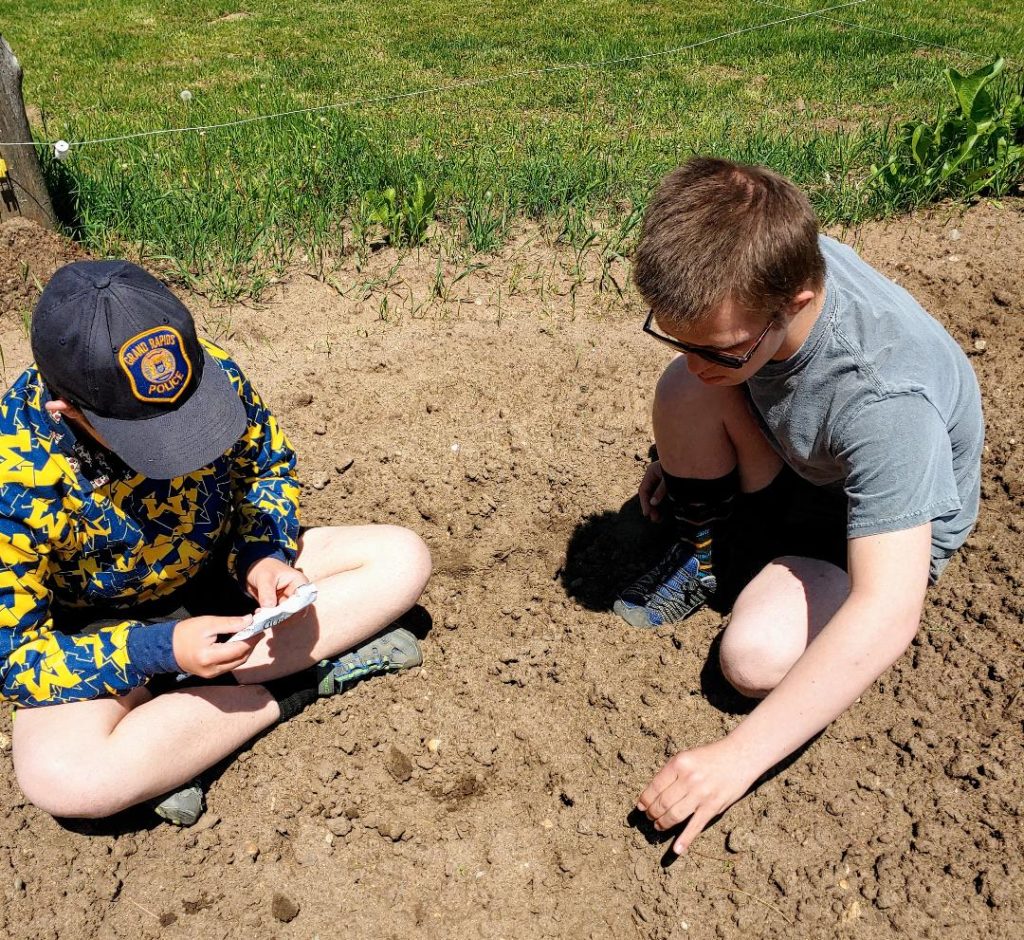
(112, 340)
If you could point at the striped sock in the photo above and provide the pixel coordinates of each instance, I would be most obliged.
(700, 509)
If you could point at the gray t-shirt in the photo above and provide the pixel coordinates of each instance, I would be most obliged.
(880, 403)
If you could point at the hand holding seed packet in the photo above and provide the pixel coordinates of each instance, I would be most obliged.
(267, 617)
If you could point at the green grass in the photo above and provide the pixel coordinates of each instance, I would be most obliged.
(813, 98)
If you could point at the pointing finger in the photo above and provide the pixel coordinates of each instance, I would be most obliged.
(693, 829)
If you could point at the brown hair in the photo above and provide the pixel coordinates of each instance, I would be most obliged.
(716, 230)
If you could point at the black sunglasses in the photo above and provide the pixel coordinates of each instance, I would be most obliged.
(727, 360)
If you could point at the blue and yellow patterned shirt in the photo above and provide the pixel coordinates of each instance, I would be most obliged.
(118, 542)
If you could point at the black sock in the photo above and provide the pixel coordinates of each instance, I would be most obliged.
(293, 693)
(701, 508)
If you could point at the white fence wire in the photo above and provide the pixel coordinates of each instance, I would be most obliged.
(62, 147)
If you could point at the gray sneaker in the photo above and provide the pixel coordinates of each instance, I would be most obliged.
(671, 591)
(183, 807)
(389, 651)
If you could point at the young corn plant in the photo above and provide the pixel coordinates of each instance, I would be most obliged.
(973, 148)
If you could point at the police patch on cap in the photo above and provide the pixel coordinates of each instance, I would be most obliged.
(156, 365)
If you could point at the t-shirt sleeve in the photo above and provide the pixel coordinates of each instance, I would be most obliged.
(898, 465)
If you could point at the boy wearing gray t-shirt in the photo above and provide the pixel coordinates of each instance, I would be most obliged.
(819, 447)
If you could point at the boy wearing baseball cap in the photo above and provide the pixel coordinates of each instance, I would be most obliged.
(148, 504)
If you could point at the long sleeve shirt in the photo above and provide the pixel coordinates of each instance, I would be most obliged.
(117, 542)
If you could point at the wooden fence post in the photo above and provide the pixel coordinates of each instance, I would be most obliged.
(23, 191)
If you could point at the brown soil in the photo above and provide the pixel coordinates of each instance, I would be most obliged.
(28, 257)
(487, 793)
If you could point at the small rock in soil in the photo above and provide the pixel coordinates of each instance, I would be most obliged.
(207, 822)
(392, 830)
(339, 825)
(740, 840)
(326, 772)
(886, 898)
(283, 908)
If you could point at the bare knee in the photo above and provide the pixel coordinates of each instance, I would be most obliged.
(751, 666)
(407, 554)
(678, 389)
(774, 619)
(698, 427)
(393, 549)
(64, 786)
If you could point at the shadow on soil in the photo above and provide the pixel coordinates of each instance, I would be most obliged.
(609, 550)
(136, 819)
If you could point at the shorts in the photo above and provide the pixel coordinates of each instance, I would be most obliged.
(790, 516)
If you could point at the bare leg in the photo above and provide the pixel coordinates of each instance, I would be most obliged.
(703, 431)
(366, 576)
(775, 618)
(95, 758)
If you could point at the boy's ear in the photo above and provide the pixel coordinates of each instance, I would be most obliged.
(59, 406)
(798, 303)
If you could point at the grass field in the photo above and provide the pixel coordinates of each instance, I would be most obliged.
(812, 97)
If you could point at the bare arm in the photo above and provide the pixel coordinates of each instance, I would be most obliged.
(888, 575)
(872, 629)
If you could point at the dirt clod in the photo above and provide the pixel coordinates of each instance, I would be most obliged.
(740, 839)
(283, 908)
(339, 825)
(398, 764)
